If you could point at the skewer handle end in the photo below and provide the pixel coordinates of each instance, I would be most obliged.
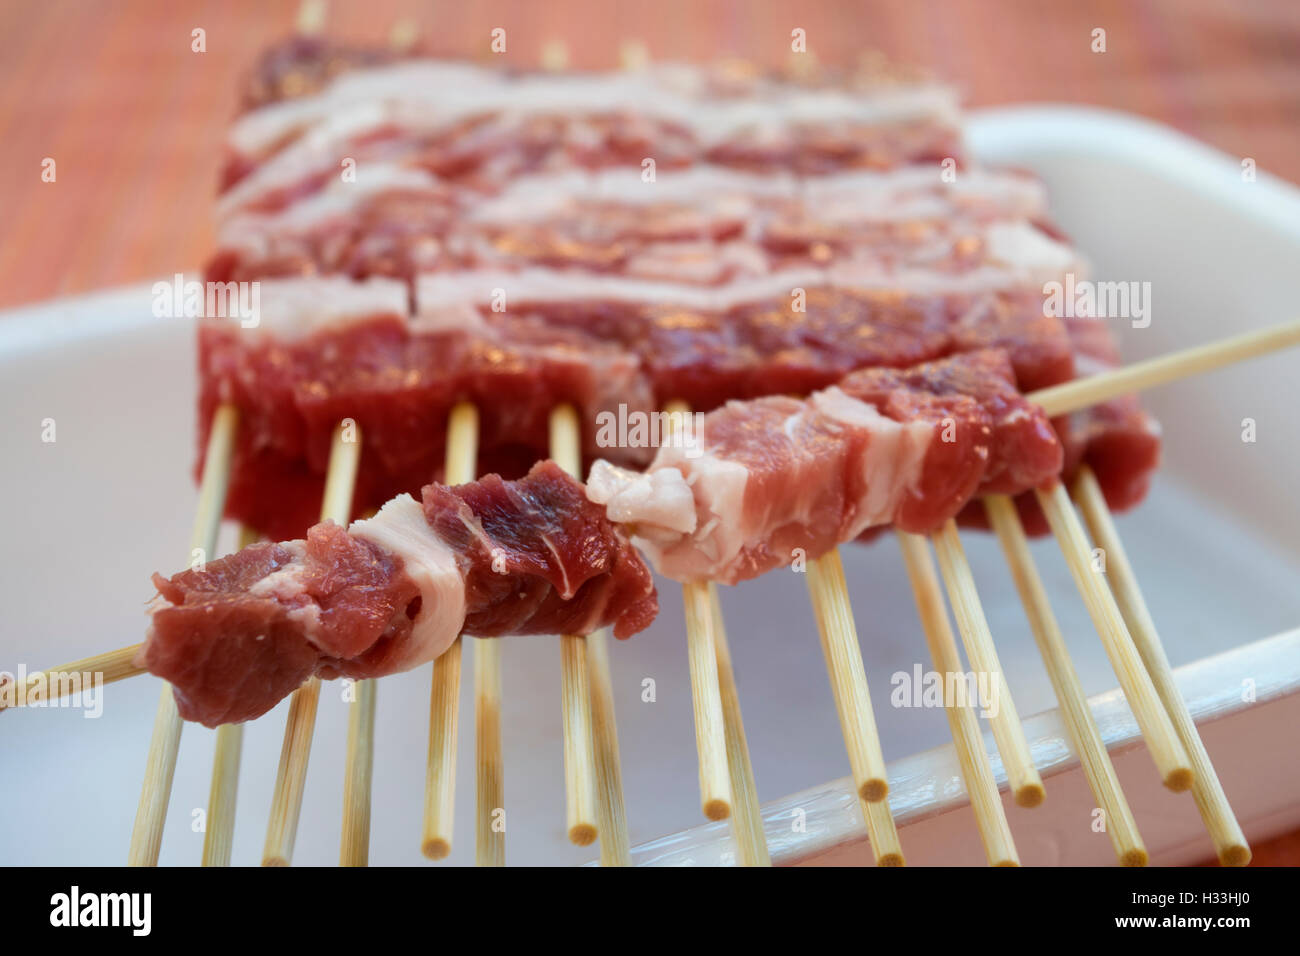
(436, 848)
(716, 809)
(874, 790)
(1137, 856)
(1234, 854)
(1179, 779)
(1030, 794)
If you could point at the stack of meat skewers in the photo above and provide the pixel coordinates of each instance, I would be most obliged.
(521, 260)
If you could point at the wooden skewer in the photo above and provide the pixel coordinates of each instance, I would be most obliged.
(490, 844)
(444, 694)
(462, 452)
(555, 55)
(843, 653)
(633, 55)
(706, 697)
(1121, 827)
(1166, 749)
(602, 733)
(579, 757)
(291, 776)
(1211, 801)
(710, 727)
(311, 17)
(1082, 392)
(403, 35)
(615, 844)
(160, 765)
(219, 835)
(354, 845)
(882, 834)
(575, 690)
(1022, 775)
(219, 832)
(110, 667)
(747, 822)
(986, 802)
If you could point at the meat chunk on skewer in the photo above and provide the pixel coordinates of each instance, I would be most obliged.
(703, 225)
(489, 558)
(484, 127)
(775, 479)
(327, 349)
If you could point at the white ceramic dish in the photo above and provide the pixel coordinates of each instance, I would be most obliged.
(1217, 547)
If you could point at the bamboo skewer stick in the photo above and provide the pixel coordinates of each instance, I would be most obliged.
(1157, 730)
(575, 682)
(882, 834)
(444, 692)
(747, 822)
(490, 821)
(1022, 775)
(1086, 738)
(555, 56)
(219, 831)
(706, 696)
(111, 666)
(710, 727)
(291, 775)
(440, 777)
(403, 35)
(311, 17)
(579, 756)
(633, 55)
(615, 844)
(986, 802)
(160, 765)
(575, 689)
(839, 639)
(354, 847)
(490, 842)
(1211, 801)
(1082, 392)
(490, 778)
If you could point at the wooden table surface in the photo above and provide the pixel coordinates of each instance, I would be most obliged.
(134, 120)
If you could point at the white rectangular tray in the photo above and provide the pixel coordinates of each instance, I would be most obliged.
(1217, 547)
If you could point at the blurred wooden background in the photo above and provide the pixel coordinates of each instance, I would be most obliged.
(134, 119)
